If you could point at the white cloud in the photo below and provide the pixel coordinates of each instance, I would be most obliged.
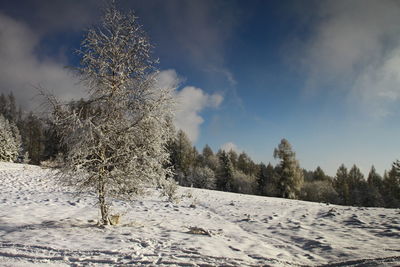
(190, 102)
(21, 70)
(168, 79)
(230, 146)
(355, 45)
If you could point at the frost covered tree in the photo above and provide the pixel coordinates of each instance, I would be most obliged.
(319, 191)
(289, 172)
(243, 183)
(116, 141)
(10, 140)
(202, 177)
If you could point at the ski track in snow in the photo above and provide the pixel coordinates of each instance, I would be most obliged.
(42, 224)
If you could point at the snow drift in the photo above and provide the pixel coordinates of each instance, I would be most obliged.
(44, 224)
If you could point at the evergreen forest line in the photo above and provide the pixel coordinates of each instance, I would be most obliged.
(33, 139)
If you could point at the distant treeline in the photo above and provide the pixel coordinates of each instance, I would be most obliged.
(233, 172)
(37, 141)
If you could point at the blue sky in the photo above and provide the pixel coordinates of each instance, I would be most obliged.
(323, 74)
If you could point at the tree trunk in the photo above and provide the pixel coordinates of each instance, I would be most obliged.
(105, 219)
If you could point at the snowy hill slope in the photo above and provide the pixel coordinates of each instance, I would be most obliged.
(44, 225)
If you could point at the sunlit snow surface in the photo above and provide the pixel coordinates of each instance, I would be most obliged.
(42, 224)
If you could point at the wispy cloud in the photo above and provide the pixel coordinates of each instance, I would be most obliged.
(228, 75)
(355, 45)
(201, 30)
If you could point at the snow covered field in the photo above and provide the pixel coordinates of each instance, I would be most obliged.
(43, 225)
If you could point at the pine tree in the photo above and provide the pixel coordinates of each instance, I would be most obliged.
(195, 157)
(271, 189)
(341, 185)
(209, 159)
(262, 179)
(233, 156)
(319, 175)
(391, 186)
(396, 166)
(246, 165)
(290, 174)
(207, 152)
(266, 180)
(375, 186)
(225, 173)
(308, 175)
(119, 146)
(374, 179)
(182, 157)
(357, 187)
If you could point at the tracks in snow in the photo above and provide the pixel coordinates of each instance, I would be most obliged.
(43, 254)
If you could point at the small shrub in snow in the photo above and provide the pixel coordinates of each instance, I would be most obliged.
(170, 190)
(188, 194)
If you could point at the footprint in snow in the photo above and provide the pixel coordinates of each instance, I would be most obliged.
(234, 249)
(71, 203)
